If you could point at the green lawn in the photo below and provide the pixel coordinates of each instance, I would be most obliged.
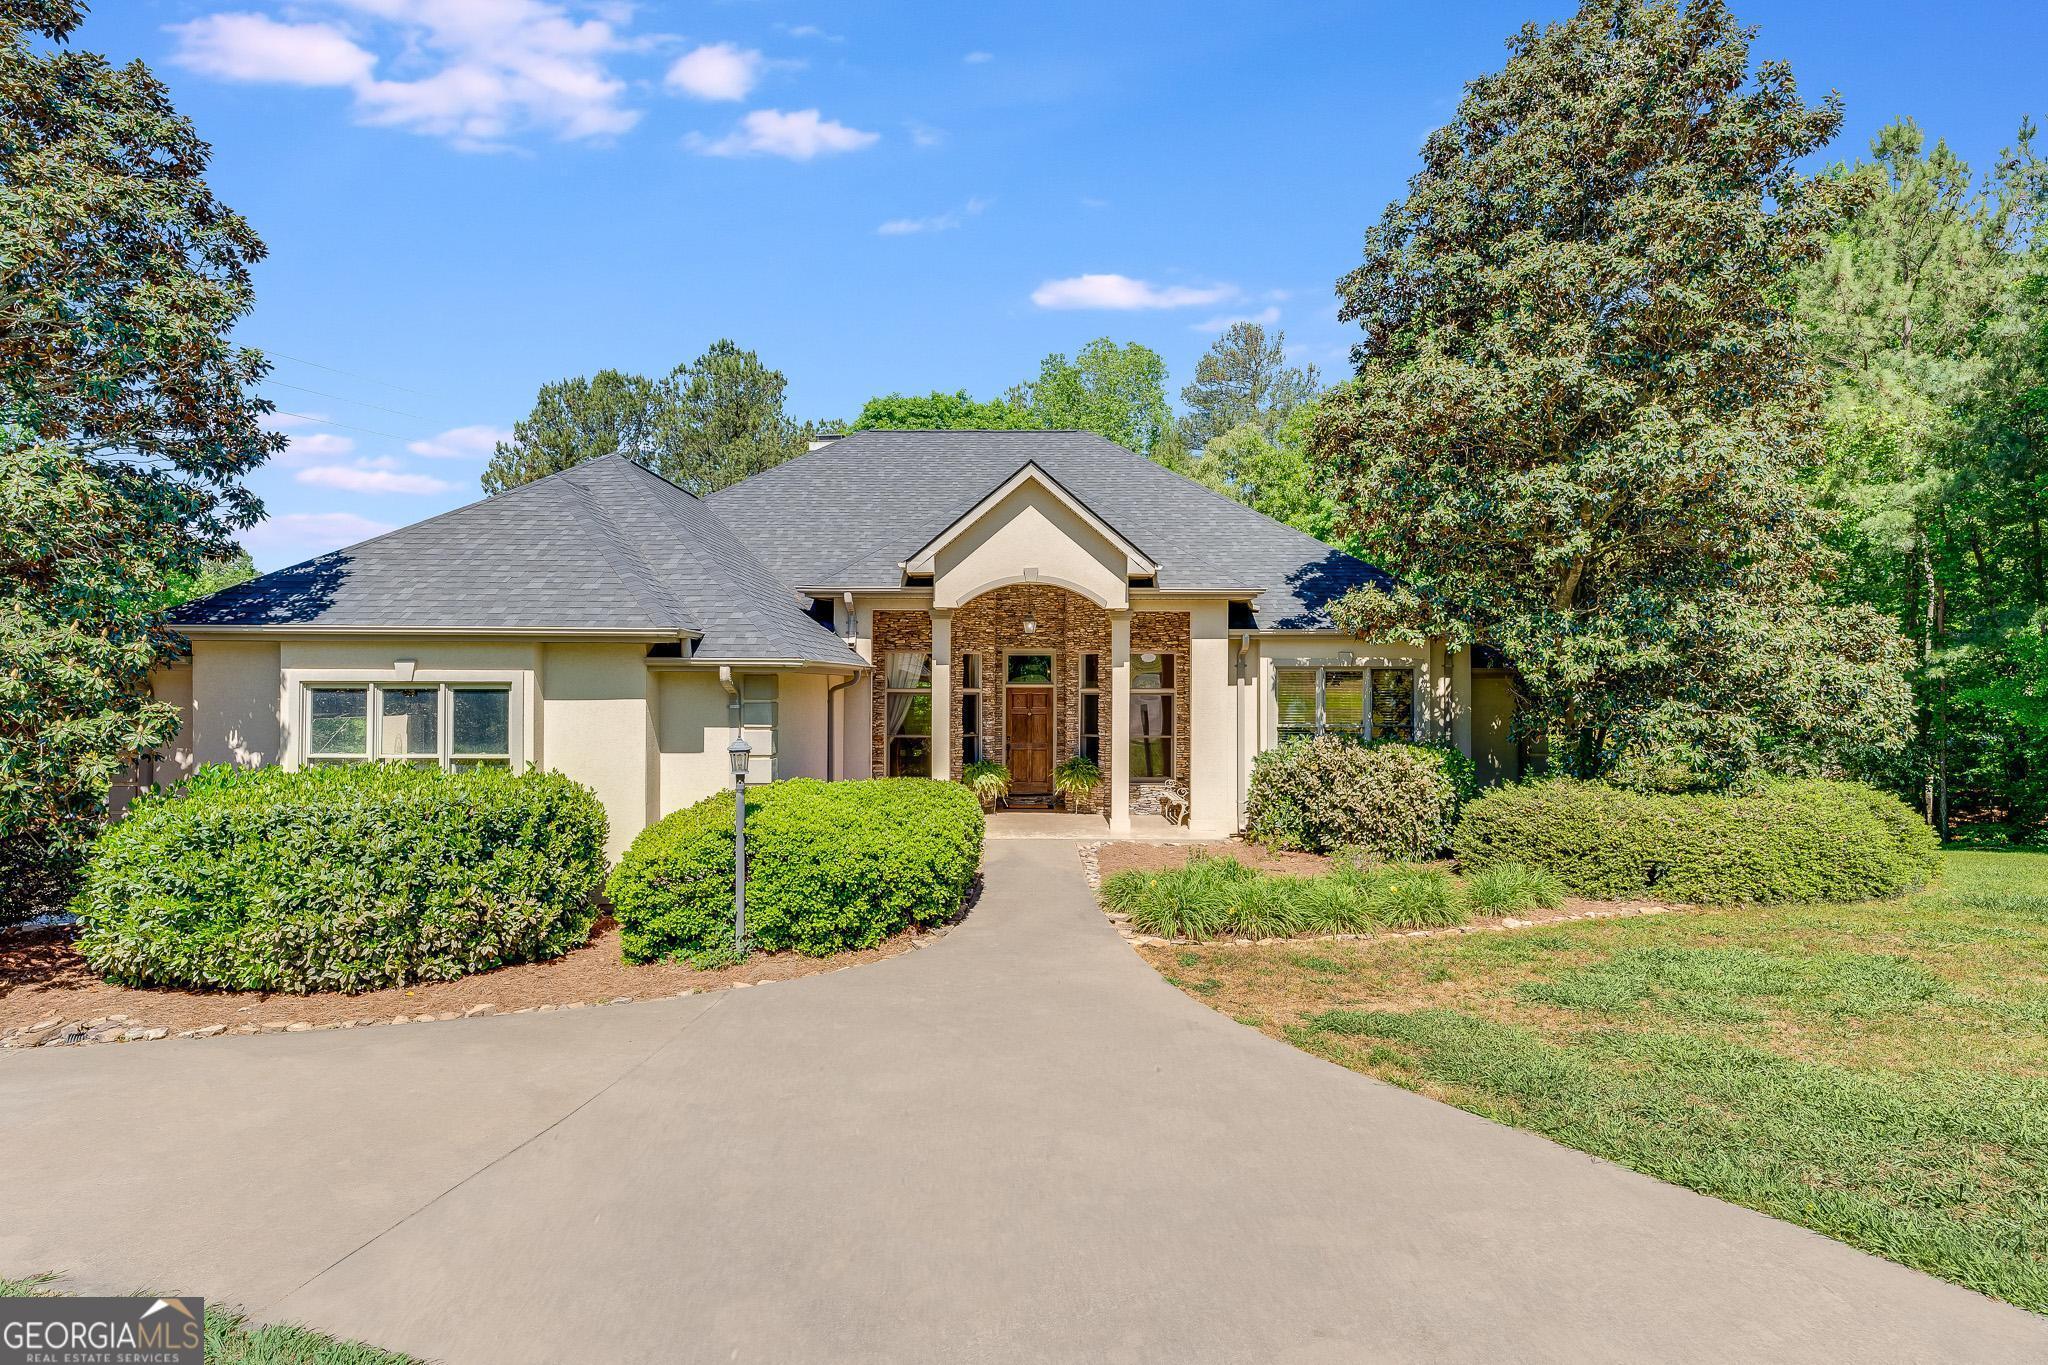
(1878, 1073)
(232, 1340)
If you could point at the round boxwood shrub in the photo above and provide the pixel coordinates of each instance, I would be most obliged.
(1394, 800)
(1774, 842)
(831, 867)
(341, 878)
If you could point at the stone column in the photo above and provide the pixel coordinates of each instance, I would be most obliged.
(942, 694)
(1119, 722)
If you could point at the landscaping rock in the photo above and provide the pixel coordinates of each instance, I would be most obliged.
(474, 1010)
(210, 1031)
(300, 1027)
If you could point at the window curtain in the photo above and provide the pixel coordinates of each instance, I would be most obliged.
(906, 671)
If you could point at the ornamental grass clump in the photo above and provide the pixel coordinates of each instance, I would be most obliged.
(341, 878)
(1510, 888)
(831, 867)
(1215, 897)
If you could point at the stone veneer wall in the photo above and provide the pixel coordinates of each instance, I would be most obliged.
(1068, 627)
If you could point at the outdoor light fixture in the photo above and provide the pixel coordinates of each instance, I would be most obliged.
(1031, 623)
(1148, 658)
(739, 751)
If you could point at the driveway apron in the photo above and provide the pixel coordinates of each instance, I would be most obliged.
(1016, 1144)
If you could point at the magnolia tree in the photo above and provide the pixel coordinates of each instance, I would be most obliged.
(1582, 415)
(127, 420)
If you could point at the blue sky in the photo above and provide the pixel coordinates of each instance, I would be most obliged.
(466, 198)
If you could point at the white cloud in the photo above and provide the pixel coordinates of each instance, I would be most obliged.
(977, 58)
(461, 443)
(938, 222)
(492, 68)
(810, 31)
(1265, 317)
(924, 135)
(1122, 293)
(308, 446)
(255, 47)
(798, 135)
(716, 71)
(372, 476)
(295, 536)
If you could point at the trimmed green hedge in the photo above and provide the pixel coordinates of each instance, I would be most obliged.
(831, 867)
(341, 878)
(1781, 842)
(1391, 799)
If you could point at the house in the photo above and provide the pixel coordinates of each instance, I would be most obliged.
(891, 603)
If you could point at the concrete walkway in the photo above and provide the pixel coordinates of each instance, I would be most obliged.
(1017, 1144)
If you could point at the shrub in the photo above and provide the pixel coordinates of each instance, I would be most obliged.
(1076, 777)
(831, 867)
(1269, 907)
(343, 878)
(1505, 888)
(1776, 842)
(1391, 799)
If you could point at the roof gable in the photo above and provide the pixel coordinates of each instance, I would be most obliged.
(923, 559)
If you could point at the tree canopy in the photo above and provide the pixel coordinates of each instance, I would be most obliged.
(1242, 380)
(1117, 392)
(708, 423)
(938, 411)
(127, 422)
(1582, 412)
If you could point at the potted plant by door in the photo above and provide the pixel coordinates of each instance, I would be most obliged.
(988, 779)
(1075, 778)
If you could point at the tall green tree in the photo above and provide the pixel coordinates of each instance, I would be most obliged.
(1117, 392)
(937, 411)
(708, 423)
(579, 419)
(1242, 380)
(127, 422)
(1582, 413)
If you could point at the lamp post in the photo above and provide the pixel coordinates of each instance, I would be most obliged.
(739, 751)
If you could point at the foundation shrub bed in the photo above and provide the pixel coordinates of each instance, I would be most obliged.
(1219, 897)
(341, 878)
(1770, 843)
(1391, 799)
(831, 867)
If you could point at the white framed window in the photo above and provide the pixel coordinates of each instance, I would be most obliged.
(907, 695)
(759, 703)
(1151, 717)
(1356, 702)
(454, 726)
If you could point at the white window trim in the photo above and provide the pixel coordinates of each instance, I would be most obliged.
(763, 766)
(295, 704)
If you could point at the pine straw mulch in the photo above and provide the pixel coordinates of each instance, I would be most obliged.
(42, 976)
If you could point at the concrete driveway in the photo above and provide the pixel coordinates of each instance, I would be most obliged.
(1017, 1144)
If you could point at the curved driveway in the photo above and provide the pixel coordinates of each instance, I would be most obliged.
(1016, 1144)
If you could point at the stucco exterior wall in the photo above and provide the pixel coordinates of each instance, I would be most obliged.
(1030, 534)
(800, 725)
(694, 724)
(599, 728)
(235, 690)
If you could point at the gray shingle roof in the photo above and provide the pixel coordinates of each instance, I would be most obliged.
(606, 546)
(846, 515)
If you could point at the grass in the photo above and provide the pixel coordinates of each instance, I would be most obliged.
(1878, 1073)
(232, 1340)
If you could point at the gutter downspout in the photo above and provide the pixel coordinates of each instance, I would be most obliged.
(1238, 778)
(732, 696)
(832, 755)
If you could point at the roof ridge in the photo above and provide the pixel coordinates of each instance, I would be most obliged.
(618, 546)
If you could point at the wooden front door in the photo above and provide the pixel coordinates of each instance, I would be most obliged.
(1028, 740)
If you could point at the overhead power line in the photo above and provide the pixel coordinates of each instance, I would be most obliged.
(336, 369)
(346, 426)
(344, 398)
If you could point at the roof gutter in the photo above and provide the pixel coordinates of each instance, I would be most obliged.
(278, 632)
